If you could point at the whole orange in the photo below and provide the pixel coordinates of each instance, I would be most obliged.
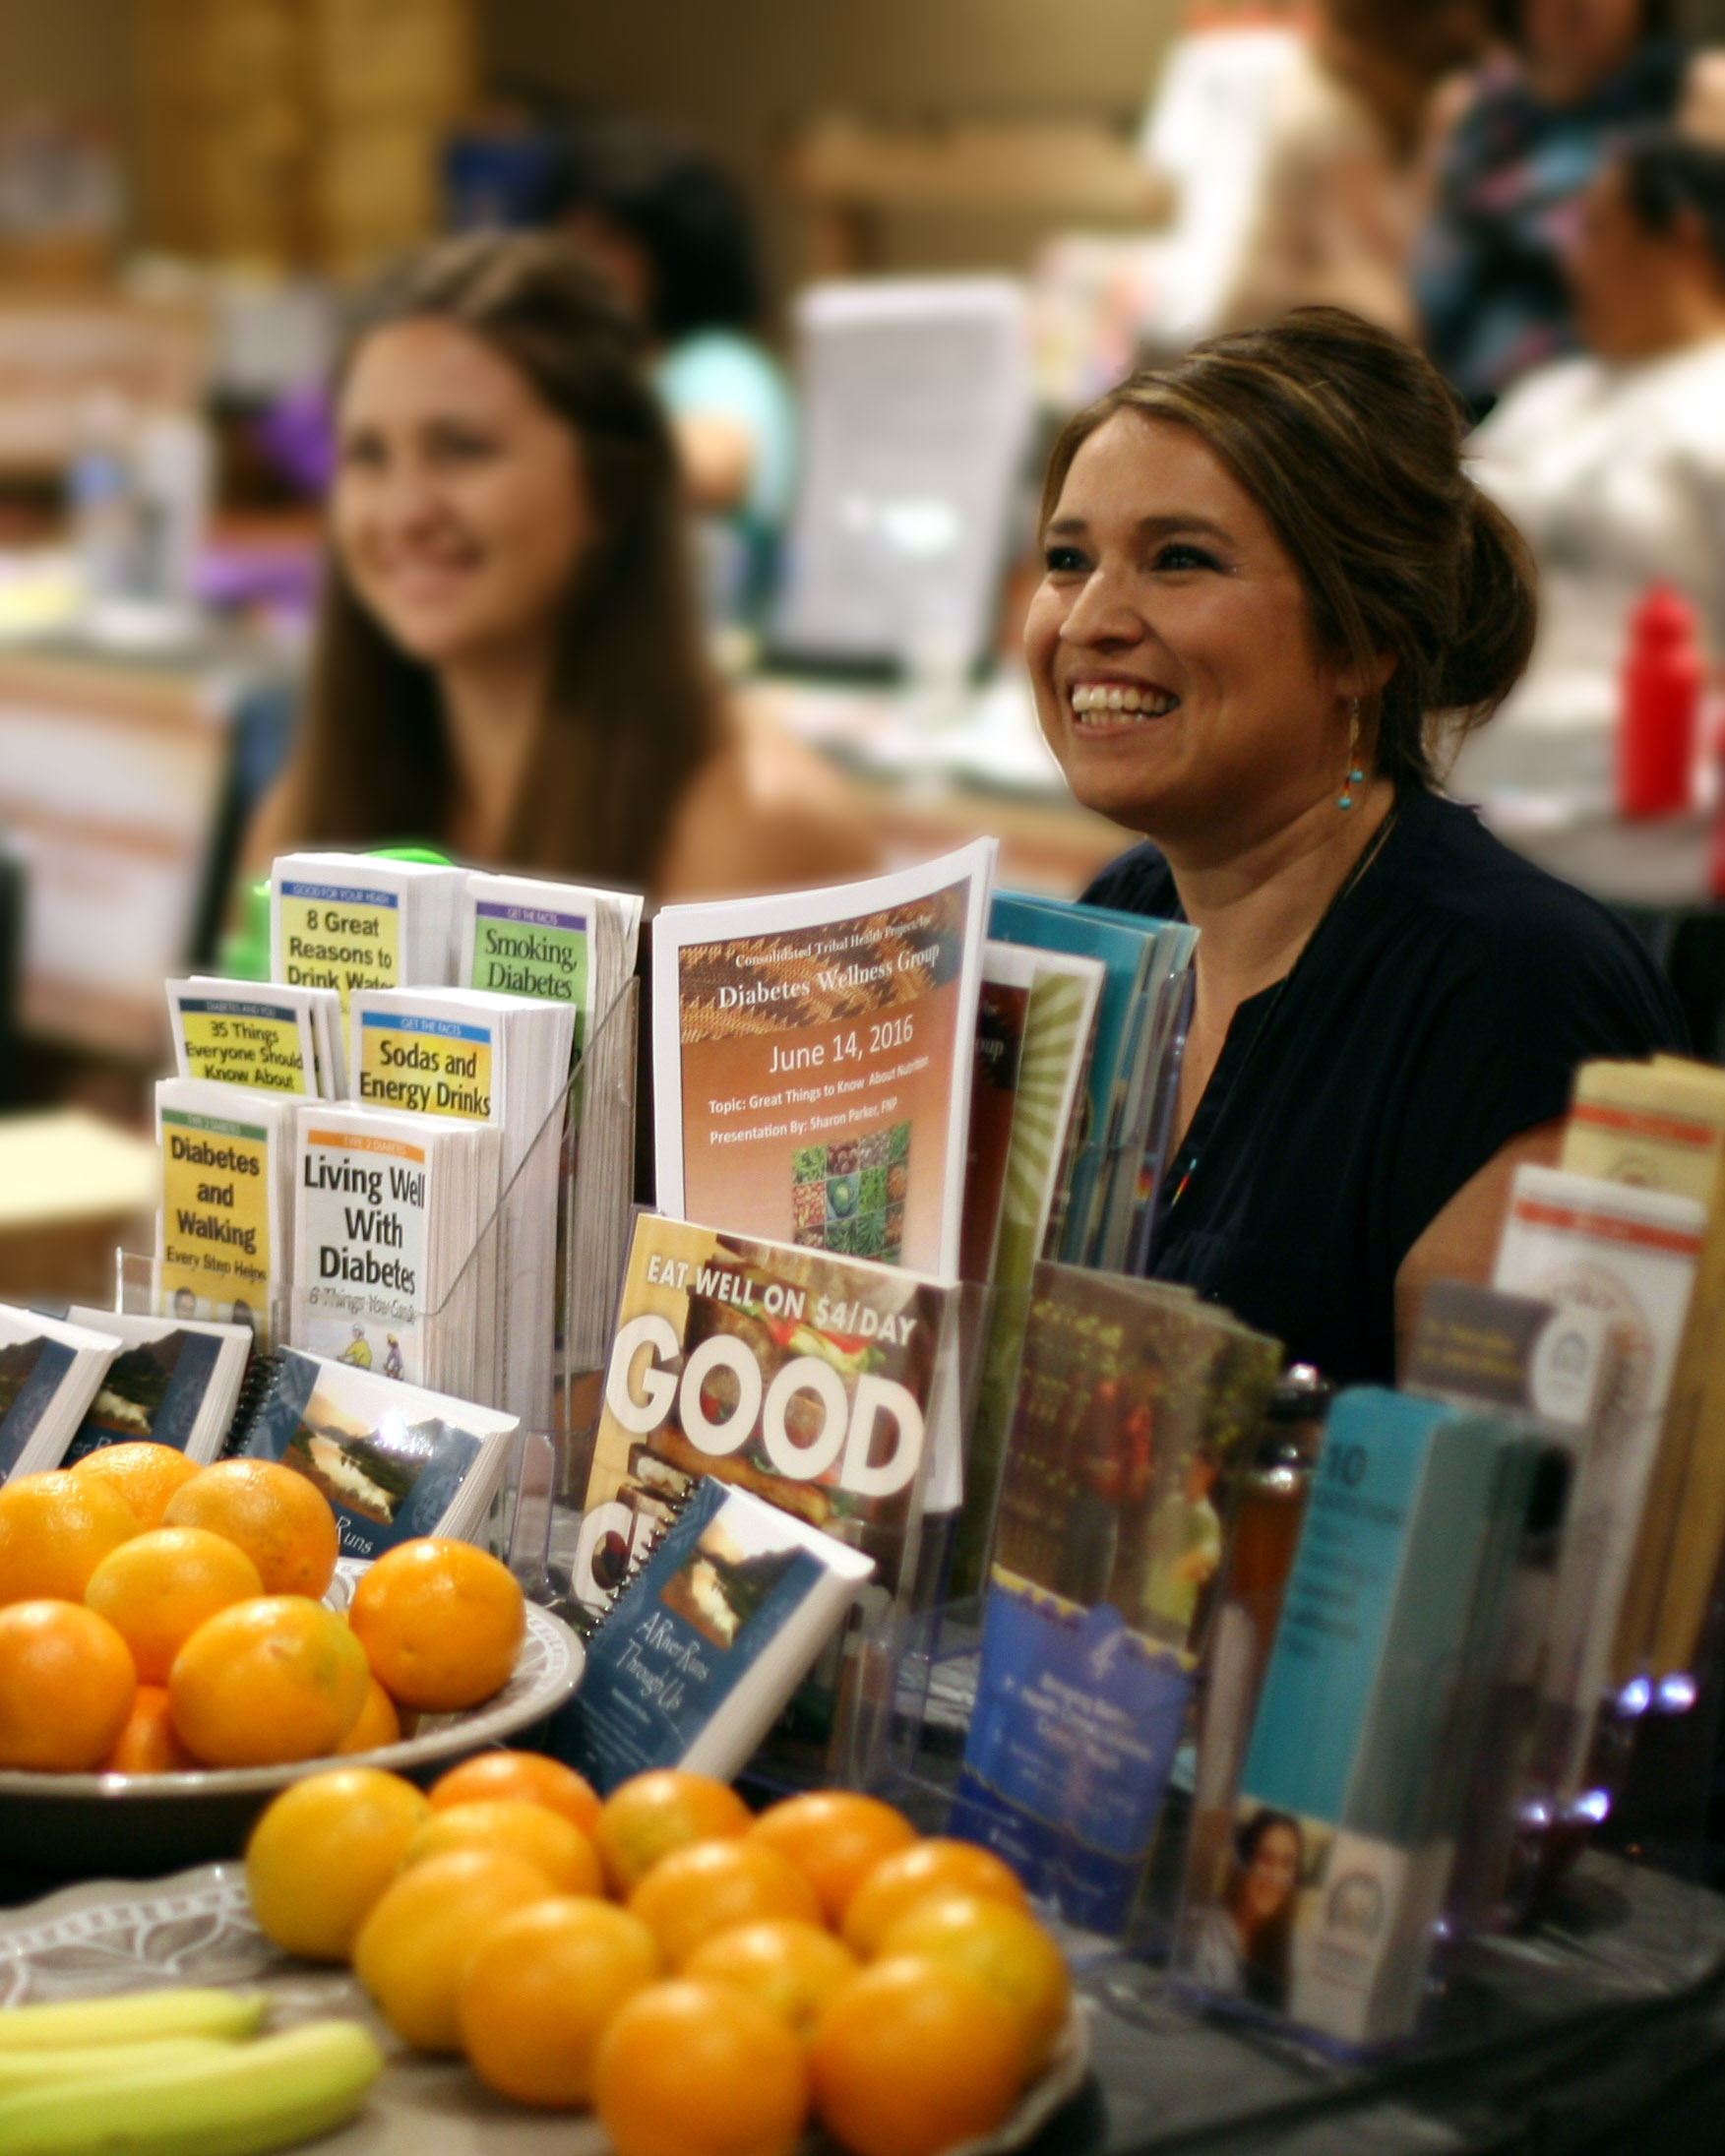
(899, 1882)
(711, 1886)
(1002, 1947)
(795, 1969)
(378, 1724)
(913, 2056)
(688, 2068)
(156, 1589)
(415, 1943)
(278, 1679)
(281, 1520)
(322, 1854)
(66, 1687)
(545, 1838)
(440, 1621)
(144, 1475)
(649, 1815)
(835, 1837)
(528, 1775)
(539, 1991)
(148, 1744)
(56, 1529)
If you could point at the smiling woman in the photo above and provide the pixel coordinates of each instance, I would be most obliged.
(1271, 600)
(509, 663)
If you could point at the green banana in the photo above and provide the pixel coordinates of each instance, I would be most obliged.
(135, 2017)
(25, 2069)
(244, 2099)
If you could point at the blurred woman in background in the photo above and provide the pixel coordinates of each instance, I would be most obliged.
(1521, 145)
(509, 663)
(674, 232)
(1343, 177)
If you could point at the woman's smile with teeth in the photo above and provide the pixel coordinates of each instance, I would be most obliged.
(1096, 701)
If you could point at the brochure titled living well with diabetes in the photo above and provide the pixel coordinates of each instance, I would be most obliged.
(813, 1058)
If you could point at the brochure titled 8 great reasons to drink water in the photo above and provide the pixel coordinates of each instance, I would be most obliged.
(813, 1061)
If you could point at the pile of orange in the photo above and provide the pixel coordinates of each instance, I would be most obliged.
(157, 1616)
(706, 1980)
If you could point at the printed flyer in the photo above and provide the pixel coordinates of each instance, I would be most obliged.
(340, 936)
(242, 1040)
(814, 1061)
(803, 1378)
(361, 1231)
(218, 1215)
(431, 1066)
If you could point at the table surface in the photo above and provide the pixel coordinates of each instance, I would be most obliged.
(1546, 2044)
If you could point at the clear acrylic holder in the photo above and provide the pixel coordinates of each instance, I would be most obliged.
(548, 1368)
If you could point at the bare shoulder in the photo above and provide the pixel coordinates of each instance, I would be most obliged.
(765, 814)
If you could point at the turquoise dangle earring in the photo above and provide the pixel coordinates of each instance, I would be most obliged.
(1355, 774)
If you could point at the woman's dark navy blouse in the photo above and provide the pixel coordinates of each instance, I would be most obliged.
(1439, 1011)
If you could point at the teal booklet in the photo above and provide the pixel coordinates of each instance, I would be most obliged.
(1321, 1906)
(704, 1644)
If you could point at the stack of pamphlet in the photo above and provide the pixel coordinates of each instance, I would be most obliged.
(1109, 1197)
(387, 1212)
(1632, 1253)
(1660, 1126)
(174, 1382)
(1320, 1902)
(225, 1235)
(814, 1057)
(575, 945)
(350, 920)
(277, 1039)
(472, 1056)
(49, 1373)
(1133, 1408)
(394, 1460)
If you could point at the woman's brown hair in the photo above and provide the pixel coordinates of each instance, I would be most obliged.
(1351, 442)
(633, 712)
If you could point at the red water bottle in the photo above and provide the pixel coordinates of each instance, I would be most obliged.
(1662, 701)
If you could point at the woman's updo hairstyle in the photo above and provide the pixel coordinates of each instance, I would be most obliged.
(1351, 442)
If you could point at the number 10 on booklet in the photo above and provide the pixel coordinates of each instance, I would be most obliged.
(814, 1061)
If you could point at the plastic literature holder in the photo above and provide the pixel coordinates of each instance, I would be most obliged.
(583, 1161)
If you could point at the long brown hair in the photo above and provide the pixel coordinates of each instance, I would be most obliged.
(1350, 443)
(633, 712)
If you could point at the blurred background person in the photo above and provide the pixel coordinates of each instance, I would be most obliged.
(509, 663)
(1613, 463)
(1522, 143)
(675, 234)
(1340, 186)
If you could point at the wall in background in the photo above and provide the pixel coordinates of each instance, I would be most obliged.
(75, 52)
(745, 72)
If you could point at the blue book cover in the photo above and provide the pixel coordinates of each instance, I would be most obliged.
(155, 1390)
(708, 1640)
(31, 1372)
(392, 1459)
(1125, 948)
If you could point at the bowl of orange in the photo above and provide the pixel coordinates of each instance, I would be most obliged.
(177, 1645)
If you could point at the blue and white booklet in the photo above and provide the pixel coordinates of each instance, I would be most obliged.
(49, 1373)
(706, 1643)
(175, 1381)
(394, 1460)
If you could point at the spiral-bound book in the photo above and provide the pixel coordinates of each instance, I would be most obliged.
(705, 1644)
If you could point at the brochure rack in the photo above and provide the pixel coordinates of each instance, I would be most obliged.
(584, 1155)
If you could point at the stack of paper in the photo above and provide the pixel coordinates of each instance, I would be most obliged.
(476, 1057)
(225, 1233)
(277, 1039)
(350, 920)
(174, 1382)
(394, 1460)
(49, 1373)
(388, 1210)
(813, 1061)
(571, 943)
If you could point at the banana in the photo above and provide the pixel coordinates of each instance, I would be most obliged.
(133, 2019)
(245, 2099)
(24, 2070)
